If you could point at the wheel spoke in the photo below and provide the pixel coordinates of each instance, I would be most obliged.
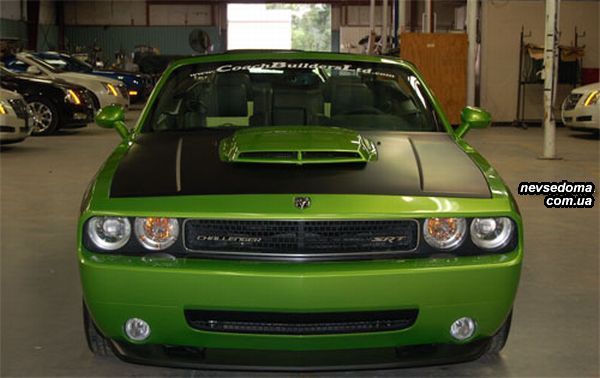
(41, 115)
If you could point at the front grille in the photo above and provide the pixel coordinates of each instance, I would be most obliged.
(7, 129)
(90, 96)
(301, 239)
(282, 323)
(571, 101)
(87, 97)
(20, 107)
(124, 91)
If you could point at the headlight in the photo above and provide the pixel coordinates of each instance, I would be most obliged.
(72, 97)
(491, 233)
(6, 107)
(156, 233)
(111, 89)
(592, 98)
(109, 233)
(445, 233)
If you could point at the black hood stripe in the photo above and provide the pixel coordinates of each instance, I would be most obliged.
(187, 163)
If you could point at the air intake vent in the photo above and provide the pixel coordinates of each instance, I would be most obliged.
(297, 145)
(300, 157)
(333, 155)
(281, 323)
(269, 155)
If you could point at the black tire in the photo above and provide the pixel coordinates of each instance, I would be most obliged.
(498, 341)
(97, 343)
(45, 119)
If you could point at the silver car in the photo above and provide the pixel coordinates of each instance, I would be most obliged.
(581, 109)
(14, 117)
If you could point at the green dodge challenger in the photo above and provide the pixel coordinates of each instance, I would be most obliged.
(290, 210)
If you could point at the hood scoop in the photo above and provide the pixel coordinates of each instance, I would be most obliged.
(297, 145)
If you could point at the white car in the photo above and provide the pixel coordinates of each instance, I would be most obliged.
(14, 117)
(581, 109)
(107, 91)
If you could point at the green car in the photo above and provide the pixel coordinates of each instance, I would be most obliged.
(290, 210)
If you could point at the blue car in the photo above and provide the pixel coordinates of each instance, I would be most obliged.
(138, 85)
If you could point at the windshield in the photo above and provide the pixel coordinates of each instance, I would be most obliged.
(66, 63)
(356, 95)
(44, 65)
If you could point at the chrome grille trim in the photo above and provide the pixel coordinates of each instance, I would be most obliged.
(301, 253)
(572, 100)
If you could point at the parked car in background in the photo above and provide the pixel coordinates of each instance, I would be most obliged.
(138, 85)
(14, 117)
(106, 91)
(54, 103)
(581, 109)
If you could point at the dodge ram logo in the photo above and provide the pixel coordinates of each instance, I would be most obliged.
(302, 202)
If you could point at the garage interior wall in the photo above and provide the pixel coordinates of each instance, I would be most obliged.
(115, 25)
(13, 17)
(500, 50)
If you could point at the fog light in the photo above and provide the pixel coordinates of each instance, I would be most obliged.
(137, 329)
(80, 116)
(463, 328)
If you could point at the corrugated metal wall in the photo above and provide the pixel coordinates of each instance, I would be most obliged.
(171, 40)
(13, 29)
(47, 34)
(47, 37)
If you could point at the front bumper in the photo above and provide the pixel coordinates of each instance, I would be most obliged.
(77, 115)
(138, 93)
(582, 118)
(355, 359)
(13, 129)
(107, 99)
(158, 290)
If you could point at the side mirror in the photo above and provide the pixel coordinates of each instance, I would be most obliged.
(113, 117)
(472, 118)
(33, 70)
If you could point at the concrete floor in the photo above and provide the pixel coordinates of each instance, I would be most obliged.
(555, 325)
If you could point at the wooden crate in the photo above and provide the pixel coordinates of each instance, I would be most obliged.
(442, 59)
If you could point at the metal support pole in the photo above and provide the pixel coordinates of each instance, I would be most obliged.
(384, 26)
(428, 16)
(402, 16)
(372, 35)
(550, 65)
(472, 11)
(395, 23)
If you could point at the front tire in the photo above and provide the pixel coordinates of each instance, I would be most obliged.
(97, 343)
(498, 341)
(45, 116)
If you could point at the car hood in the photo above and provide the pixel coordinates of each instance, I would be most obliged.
(47, 80)
(132, 75)
(8, 95)
(76, 77)
(188, 163)
(587, 88)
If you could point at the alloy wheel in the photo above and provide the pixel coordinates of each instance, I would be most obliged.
(41, 116)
